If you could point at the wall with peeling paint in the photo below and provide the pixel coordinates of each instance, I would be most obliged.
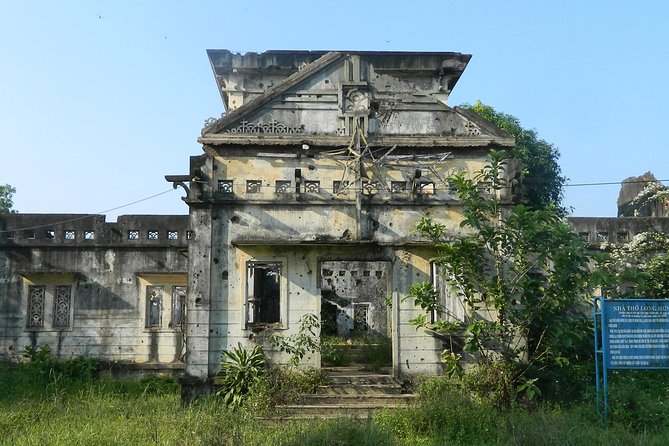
(326, 161)
(107, 274)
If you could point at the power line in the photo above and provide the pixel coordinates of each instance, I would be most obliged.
(614, 182)
(83, 217)
(604, 183)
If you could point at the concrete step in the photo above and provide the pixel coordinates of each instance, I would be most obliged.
(357, 410)
(350, 392)
(349, 376)
(348, 399)
(360, 389)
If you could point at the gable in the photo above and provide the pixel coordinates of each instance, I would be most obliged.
(388, 96)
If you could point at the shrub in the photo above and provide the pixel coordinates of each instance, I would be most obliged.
(160, 385)
(378, 352)
(241, 369)
(332, 355)
(639, 400)
(302, 342)
(493, 383)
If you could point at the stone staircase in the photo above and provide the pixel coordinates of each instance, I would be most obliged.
(350, 392)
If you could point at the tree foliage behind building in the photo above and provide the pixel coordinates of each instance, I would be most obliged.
(6, 203)
(543, 181)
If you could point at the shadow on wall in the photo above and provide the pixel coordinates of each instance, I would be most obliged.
(93, 296)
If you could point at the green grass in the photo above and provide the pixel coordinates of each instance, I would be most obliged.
(40, 408)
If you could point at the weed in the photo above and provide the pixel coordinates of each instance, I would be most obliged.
(302, 342)
(330, 354)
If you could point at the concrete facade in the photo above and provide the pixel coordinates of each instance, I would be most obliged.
(304, 200)
(83, 286)
(309, 190)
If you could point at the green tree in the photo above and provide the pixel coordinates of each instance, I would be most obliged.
(524, 266)
(542, 177)
(6, 203)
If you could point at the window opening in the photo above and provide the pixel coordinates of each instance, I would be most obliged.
(69, 235)
(339, 187)
(62, 303)
(133, 234)
(50, 234)
(152, 235)
(10, 235)
(89, 235)
(584, 235)
(178, 305)
(29, 234)
(426, 188)
(36, 306)
(602, 237)
(361, 317)
(312, 187)
(282, 186)
(449, 305)
(370, 187)
(253, 186)
(298, 181)
(263, 292)
(225, 186)
(172, 235)
(398, 187)
(623, 237)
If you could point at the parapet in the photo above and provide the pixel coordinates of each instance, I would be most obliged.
(81, 230)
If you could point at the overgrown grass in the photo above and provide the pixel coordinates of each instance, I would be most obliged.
(38, 409)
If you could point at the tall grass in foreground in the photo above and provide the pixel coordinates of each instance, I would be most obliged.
(54, 409)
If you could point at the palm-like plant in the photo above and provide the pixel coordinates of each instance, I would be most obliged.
(241, 369)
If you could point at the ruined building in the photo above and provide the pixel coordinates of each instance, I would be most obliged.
(304, 200)
(643, 206)
(82, 286)
(307, 194)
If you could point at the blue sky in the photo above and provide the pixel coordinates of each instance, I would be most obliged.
(100, 99)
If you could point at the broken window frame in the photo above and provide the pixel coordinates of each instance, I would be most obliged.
(171, 293)
(253, 304)
(452, 308)
(361, 325)
(398, 187)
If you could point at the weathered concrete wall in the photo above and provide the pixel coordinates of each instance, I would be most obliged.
(107, 269)
(325, 159)
(638, 197)
(597, 230)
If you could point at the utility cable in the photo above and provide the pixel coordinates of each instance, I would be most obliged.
(83, 217)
